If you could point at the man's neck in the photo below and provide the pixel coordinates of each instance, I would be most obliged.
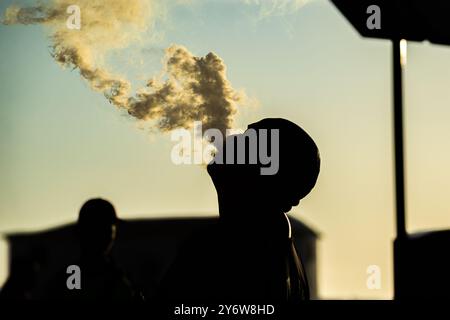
(257, 221)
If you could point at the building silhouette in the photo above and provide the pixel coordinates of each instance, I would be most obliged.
(144, 249)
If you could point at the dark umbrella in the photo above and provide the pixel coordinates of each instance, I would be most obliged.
(421, 261)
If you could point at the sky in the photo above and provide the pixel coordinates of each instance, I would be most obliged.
(62, 143)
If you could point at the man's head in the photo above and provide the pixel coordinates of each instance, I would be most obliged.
(243, 186)
(97, 226)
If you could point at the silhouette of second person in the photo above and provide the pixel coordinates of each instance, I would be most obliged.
(249, 254)
(101, 278)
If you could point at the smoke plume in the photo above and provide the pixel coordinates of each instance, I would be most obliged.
(196, 90)
(190, 89)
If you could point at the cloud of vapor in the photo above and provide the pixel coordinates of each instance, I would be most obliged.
(191, 88)
(105, 25)
(196, 89)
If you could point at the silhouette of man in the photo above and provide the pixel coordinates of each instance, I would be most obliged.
(249, 255)
(100, 278)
